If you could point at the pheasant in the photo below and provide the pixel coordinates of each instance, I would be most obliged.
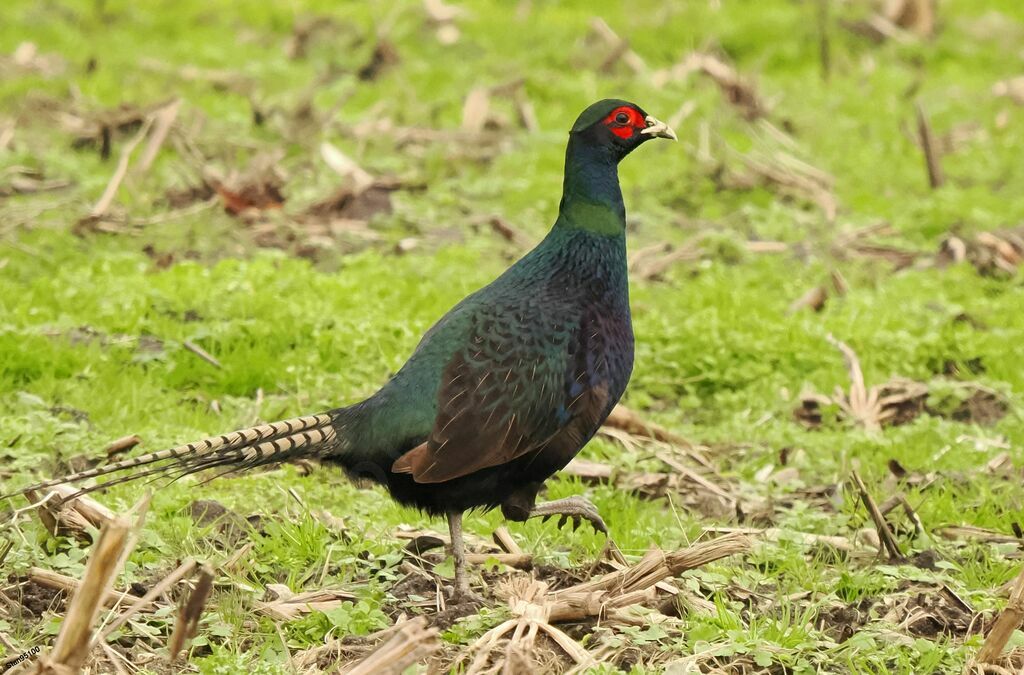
(502, 392)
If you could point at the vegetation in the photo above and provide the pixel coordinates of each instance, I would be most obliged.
(308, 298)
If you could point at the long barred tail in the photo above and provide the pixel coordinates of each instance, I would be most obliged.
(313, 435)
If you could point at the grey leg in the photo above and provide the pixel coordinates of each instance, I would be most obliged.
(576, 508)
(458, 554)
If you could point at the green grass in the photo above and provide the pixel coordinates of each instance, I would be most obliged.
(91, 326)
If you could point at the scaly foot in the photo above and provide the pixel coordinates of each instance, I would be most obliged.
(575, 508)
(460, 593)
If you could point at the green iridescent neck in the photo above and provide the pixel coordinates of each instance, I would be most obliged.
(591, 196)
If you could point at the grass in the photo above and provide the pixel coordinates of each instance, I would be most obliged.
(719, 360)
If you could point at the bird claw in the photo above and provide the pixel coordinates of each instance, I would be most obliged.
(576, 509)
(599, 526)
(590, 513)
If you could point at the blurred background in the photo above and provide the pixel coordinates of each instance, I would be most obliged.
(215, 212)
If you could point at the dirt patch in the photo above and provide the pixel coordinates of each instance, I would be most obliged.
(418, 585)
(229, 527)
(77, 463)
(36, 599)
(100, 129)
(967, 402)
(352, 205)
(383, 57)
(901, 401)
(179, 198)
(842, 621)
(447, 617)
(414, 585)
(559, 577)
(925, 560)
(928, 611)
(897, 402)
(982, 407)
(247, 198)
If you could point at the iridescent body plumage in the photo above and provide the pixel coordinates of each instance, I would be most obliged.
(505, 389)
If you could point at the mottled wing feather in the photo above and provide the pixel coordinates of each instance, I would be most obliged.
(501, 396)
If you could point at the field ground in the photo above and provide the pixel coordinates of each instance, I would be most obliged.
(795, 207)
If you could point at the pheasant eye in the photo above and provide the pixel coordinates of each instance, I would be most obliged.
(622, 118)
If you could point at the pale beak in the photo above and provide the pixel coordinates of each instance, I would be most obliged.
(658, 129)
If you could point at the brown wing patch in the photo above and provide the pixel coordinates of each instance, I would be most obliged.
(415, 461)
(588, 412)
(429, 464)
(498, 399)
(515, 390)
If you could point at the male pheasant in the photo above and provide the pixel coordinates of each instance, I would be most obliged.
(504, 390)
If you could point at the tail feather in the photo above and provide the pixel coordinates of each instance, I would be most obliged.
(242, 449)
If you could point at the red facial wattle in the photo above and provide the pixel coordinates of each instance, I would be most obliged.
(625, 128)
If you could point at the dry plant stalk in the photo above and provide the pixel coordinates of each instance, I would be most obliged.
(629, 420)
(73, 643)
(695, 477)
(775, 534)
(122, 445)
(529, 601)
(657, 565)
(797, 178)
(738, 90)
(989, 252)
(164, 120)
(814, 299)
(970, 532)
(509, 232)
(1009, 620)
(916, 16)
(625, 425)
(107, 198)
(289, 605)
(359, 178)
(220, 79)
(900, 500)
(412, 643)
(860, 404)
(443, 17)
(522, 561)
(1012, 88)
(503, 538)
(931, 151)
(636, 583)
(475, 109)
(337, 648)
(70, 585)
(75, 517)
(183, 571)
(884, 533)
(650, 267)
(873, 407)
(188, 618)
(588, 471)
(619, 48)
(201, 353)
